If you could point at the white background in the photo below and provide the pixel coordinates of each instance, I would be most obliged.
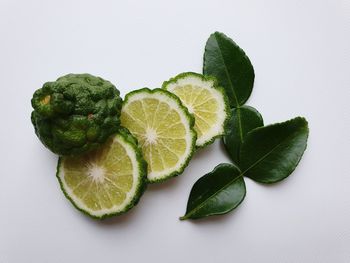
(301, 54)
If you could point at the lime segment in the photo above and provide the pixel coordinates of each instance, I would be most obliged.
(207, 102)
(108, 181)
(164, 129)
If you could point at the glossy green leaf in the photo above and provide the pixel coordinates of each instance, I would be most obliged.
(217, 192)
(269, 154)
(226, 61)
(243, 120)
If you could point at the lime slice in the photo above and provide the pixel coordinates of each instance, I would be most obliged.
(164, 129)
(205, 100)
(106, 182)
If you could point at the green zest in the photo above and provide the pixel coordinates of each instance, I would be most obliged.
(76, 113)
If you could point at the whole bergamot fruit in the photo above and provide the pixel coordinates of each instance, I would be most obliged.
(76, 113)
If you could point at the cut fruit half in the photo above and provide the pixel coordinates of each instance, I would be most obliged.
(108, 181)
(164, 129)
(205, 100)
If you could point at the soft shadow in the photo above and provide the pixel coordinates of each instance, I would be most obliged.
(51, 158)
(203, 152)
(293, 176)
(223, 149)
(174, 182)
(120, 220)
(217, 219)
(225, 152)
(43, 154)
(272, 185)
(171, 183)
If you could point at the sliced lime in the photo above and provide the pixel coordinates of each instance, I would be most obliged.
(205, 100)
(164, 129)
(106, 182)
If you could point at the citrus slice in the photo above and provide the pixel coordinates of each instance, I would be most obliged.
(205, 100)
(164, 129)
(106, 182)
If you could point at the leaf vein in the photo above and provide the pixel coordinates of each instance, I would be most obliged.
(214, 194)
(226, 72)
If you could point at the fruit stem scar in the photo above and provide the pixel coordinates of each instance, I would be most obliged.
(90, 116)
(46, 100)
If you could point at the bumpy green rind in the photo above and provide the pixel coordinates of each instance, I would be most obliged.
(189, 117)
(217, 87)
(140, 189)
(76, 113)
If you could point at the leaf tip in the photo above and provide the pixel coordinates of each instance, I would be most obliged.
(182, 218)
